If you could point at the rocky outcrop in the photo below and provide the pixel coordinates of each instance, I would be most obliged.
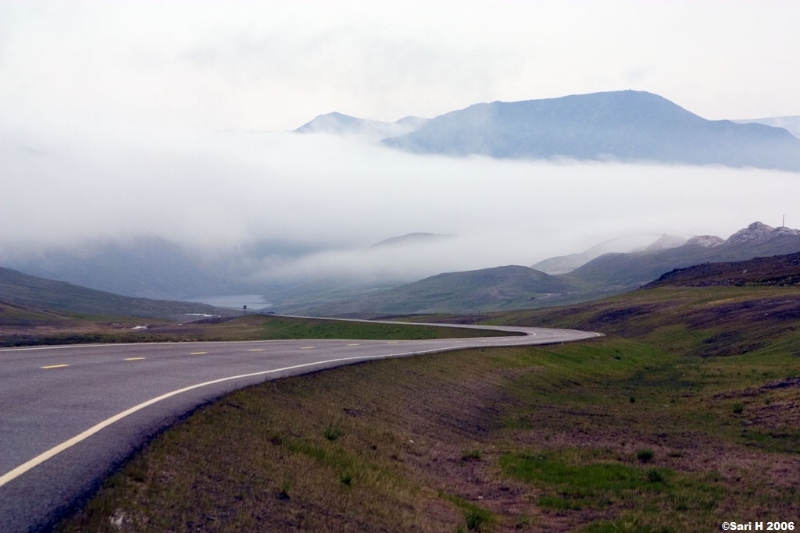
(706, 241)
(758, 231)
(665, 243)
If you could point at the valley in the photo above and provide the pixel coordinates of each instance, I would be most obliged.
(683, 416)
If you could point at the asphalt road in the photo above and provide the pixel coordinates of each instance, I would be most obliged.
(70, 415)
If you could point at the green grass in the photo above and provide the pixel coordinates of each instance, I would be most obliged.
(575, 479)
(81, 329)
(528, 438)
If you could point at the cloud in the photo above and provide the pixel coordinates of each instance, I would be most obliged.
(326, 199)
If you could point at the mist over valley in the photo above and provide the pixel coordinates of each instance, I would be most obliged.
(188, 215)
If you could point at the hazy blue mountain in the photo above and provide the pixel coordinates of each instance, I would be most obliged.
(340, 124)
(790, 124)
(623, 125)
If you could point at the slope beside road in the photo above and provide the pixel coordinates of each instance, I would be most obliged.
(72, 414)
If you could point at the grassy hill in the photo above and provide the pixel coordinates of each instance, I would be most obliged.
(21, 289)
(684, 416)
(490, 289)
(763, 271)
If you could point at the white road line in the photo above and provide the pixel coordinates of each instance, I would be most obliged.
(52, 452)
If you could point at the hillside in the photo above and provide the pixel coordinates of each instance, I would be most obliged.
(147, 267)
(673, 421)
(623, 125)
(30, 291)
(780, 271)
(621, 272)
(518, 287)
(633, 243)
(507, 287)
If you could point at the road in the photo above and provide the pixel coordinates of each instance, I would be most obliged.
(70, 415)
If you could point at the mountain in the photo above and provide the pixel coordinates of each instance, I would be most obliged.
(628, 126)
(790, 124)
(631, 243)
(489, 289)
(621, 272)
(338, 123)
(21, 289)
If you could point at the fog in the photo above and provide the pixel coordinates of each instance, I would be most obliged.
(313, 204)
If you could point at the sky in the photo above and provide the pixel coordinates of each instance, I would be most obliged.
(274, 65)
(168, 118)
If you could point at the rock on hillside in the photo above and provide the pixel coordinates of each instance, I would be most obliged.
(758, 231)
(706, 241)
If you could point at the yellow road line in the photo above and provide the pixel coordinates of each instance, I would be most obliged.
(53, 366)
(39, 459)
(198, 353)
(134, 358)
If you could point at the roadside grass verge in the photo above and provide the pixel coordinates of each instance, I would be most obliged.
(74, 329)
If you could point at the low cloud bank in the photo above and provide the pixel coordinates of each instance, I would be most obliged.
(327, 199)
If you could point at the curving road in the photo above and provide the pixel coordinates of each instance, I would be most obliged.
(69, 415)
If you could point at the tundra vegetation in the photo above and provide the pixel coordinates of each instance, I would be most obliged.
(687, 414)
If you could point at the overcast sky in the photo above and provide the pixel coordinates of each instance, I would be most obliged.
(275, 65)
(125, 118)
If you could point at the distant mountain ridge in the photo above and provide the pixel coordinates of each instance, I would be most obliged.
(628, 126)
(339, 123)
(790, 123)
